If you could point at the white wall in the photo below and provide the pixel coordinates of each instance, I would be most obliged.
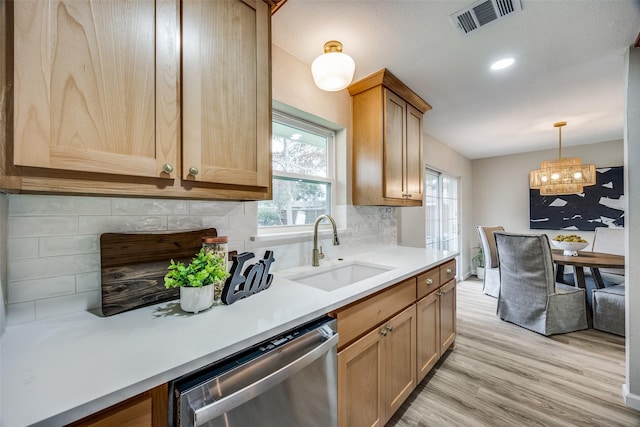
(411, 221)
(501, 184)
(631, 389)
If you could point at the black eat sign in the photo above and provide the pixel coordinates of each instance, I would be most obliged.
(256, 277)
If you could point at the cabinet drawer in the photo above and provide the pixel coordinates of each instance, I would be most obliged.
(428, 282)
(447, 271)
(356, 319)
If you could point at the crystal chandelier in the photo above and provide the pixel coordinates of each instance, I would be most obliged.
(563, 176)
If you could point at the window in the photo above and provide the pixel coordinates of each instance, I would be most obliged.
(303, 177)
(441, 208)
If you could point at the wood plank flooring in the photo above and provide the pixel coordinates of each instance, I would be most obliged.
(500, 374)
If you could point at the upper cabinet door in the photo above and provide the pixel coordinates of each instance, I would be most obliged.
(226, 95)
(96, 86)
(395, 110)
(413, 150)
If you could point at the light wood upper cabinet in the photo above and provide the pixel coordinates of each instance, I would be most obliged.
(96, 86)
(162, 98)
(226, 92)
(387, 142)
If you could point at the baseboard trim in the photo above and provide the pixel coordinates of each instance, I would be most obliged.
(630, 400)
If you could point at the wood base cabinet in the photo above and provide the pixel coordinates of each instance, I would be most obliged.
(148, 409)
(377, 372)
(436, 316)
(389, 341)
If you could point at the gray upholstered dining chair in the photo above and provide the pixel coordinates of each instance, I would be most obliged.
(610, 241)
(491, 284)
(529, 295)
(608, 309)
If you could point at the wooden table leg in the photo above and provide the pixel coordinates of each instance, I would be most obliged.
(597, 277)
(578, 277)
(560, 273)
(579, 281)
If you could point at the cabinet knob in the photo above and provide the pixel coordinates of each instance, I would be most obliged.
(167, 168)
(406, 195)
(429, 281)
(193, 171)
(389, 328)
(383, 332)
(448, 271)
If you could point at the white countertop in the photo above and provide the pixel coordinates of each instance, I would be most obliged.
(58, 370)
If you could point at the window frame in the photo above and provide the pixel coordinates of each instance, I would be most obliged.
(309, 126)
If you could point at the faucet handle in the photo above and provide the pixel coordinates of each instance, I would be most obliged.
(320, 254)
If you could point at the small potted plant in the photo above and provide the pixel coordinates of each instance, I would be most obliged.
(197, 280)
(478, 263)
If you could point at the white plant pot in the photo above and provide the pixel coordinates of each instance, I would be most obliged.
(194, 300)
(480, 272)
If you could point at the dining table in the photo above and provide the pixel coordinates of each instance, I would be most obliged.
(594, 261)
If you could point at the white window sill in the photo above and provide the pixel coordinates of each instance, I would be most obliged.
(300, 235)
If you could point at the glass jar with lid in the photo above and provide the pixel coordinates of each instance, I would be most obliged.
(218, 247)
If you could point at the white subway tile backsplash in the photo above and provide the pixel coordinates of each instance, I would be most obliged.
(69, 245)
(150, 207)
(21, 313)
(244, 226)
(23, 248)
(180, 223)
(36, 268)
(30, 205)
(58, 306)
(220, 223)
(30, 290)
(34, 226)
(53, 242)
(208, 208)
(120, 224)
(88, 281)
(251, 208)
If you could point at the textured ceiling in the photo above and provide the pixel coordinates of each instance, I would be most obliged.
(569, 65)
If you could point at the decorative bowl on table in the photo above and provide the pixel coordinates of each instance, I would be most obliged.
(570, 244)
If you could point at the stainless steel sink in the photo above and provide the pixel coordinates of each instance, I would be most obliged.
(339, 276)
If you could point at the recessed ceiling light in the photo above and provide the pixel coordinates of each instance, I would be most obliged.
(296, 136)
(503, 63)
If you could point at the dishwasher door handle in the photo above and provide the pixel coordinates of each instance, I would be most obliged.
(213, 410)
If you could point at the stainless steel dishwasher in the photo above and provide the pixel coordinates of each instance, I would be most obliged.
(288, 381)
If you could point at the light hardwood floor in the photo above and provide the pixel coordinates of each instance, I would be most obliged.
(500, 374)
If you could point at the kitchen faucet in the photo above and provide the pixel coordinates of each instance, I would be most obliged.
(317, 255)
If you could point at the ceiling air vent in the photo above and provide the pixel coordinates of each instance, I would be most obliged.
(482, 13)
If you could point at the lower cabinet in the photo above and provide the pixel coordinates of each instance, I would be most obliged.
(447, 295)
(428, 331)
(377, 372)
(390, 341)
(148, 409)
(436, 326)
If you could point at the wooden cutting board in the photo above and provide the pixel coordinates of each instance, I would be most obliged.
(133, 266)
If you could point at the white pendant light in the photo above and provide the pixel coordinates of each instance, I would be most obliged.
(333, 70)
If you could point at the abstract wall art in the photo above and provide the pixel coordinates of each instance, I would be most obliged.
(601, 205)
